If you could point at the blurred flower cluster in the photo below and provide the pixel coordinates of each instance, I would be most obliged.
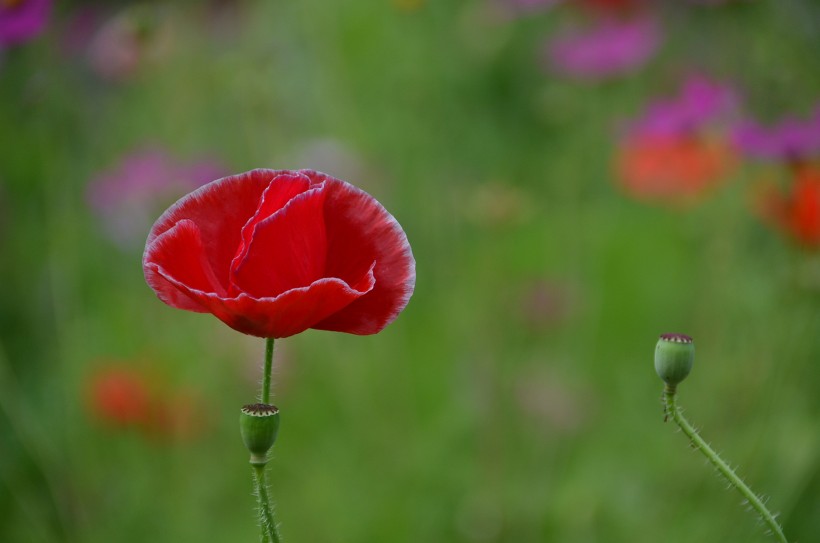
(680, 148)
(793, 144)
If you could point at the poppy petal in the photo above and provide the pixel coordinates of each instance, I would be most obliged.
(359, 232)
(279, 192)
(220, 209)
(287, 249)
(289, 313)
(180, 252)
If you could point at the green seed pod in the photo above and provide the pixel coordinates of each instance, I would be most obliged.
(259, 424)
(674, 356)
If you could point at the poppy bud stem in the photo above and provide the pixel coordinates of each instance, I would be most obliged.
(270, 532)
(268, 370)
(259, 425)
(674, 412)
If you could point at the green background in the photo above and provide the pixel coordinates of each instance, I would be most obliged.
(469, 419)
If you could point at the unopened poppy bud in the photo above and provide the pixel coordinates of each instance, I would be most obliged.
(259, 424)
(674, 356)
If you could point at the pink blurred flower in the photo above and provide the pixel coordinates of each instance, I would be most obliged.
(22, 20)
(114, 52)
(128, 196)
(605, 49)
(701, 105)
(129, 40)
(790, 140)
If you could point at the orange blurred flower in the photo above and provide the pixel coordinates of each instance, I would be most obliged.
(672, 169)
(798, 211)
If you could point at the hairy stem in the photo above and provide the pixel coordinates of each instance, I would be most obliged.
(673, 411)
(270, 532)
(268, 369)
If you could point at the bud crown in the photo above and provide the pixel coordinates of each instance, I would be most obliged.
(674, 357)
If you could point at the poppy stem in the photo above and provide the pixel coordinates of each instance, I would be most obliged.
(268, 369)
(270, 532)
(674, 412)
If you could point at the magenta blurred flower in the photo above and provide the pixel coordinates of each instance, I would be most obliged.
(127, 197)
(607, 49)
(22, 20)
(700, 104)
(791, 139)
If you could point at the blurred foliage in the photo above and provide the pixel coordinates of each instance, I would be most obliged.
(488, 411)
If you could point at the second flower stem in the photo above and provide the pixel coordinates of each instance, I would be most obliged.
(673, 411)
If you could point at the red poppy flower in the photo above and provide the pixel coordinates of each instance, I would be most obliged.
(273, 253)
(672, 169)
(798, 213)
(120, 397)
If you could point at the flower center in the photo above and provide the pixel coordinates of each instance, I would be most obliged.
(11, 3)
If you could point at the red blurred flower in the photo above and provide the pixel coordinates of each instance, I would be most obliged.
(798, 212)
(123, 397)
(273, 253)
(120, 397)
(672, 169)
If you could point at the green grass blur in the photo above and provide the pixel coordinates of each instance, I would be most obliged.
(485, 413)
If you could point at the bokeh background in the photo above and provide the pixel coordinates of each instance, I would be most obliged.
(575, 178)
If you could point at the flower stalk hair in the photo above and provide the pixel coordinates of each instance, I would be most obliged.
(674, 357)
